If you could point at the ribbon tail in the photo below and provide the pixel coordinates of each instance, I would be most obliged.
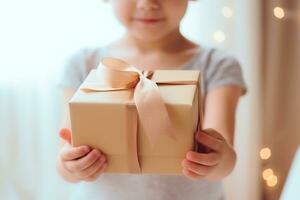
(152, 110)
(133, 164)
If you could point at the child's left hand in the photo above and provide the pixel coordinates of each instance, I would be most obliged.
(215, 164)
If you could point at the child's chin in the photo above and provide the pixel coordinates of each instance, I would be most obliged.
(148, 35)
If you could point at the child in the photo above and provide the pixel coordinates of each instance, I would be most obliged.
(153, 41)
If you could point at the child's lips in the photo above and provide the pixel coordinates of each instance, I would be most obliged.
(149, 20)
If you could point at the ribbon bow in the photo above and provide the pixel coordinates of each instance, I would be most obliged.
(115, 74)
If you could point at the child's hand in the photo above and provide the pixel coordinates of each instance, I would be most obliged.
(215, 164)
(80, 163)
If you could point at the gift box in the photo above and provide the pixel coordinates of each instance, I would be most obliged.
(143, 121)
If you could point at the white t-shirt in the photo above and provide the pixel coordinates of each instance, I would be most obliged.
(218, 69)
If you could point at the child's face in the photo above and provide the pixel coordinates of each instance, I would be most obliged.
(150, 19)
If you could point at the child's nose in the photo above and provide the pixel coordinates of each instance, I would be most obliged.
(147, 4)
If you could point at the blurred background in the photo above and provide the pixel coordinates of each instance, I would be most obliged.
(37, 36)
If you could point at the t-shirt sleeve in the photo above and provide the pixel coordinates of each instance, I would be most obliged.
(77, 67)
(73, 71)
(224, 70)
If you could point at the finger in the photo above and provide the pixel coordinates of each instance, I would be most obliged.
(86, 173)
(209, 141)
(84, 162)
(71, 153)
(212, 132)
(65, 134)
(196, 168)
(191, 175)
(208, 159)
(94, 176)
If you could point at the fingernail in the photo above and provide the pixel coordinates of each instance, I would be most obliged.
(102, 159)
(86, 148)
(94, 153)
(98, 151)
(189, 155)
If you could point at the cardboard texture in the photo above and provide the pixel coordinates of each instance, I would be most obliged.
(109, 121)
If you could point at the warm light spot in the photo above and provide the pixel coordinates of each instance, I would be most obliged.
(268, 173)
(227, 11)
(279, 12)
(272, 181)
(219, 36)
(265, 153)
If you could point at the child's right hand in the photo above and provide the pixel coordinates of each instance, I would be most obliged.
(79, 163)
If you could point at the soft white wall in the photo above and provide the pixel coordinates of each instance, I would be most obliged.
(37, 35)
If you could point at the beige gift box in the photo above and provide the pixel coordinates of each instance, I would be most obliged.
(109, 121)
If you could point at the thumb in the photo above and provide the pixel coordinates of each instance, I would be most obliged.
(65, 134)
(214, 133)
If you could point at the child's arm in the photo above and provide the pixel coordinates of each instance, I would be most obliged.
(220, 109)
(81, 163)
(218, 135)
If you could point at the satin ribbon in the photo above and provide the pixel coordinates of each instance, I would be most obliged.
(113, 75)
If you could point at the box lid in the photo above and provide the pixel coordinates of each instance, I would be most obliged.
(171, 93)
